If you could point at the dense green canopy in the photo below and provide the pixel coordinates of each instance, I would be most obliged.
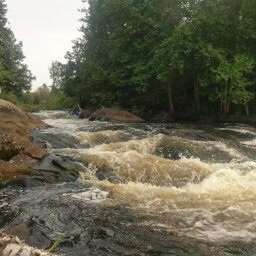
(176, 55)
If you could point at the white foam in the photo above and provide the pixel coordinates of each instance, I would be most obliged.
(102, 137)
(54, 114)
(222, 207)
(243, 130)
(214, 201)
(250, 142)
(94, 195)
(231, 151)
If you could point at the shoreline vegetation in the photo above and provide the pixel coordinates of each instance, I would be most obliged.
(194, 61)
(61, 102)
(156, 117)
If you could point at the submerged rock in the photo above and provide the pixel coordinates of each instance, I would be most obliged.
(108, 114)
(50, 169)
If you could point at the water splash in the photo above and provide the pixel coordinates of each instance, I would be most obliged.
(200, 183)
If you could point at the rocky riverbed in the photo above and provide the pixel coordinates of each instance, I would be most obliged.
(112, 188)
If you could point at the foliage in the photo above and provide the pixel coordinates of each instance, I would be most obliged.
(133, 52)
(187, 57)
(42, 98)
(14, 74)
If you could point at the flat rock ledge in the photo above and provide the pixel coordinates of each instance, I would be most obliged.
(17, 151)
(10, 245)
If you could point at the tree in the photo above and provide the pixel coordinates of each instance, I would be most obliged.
(177, 55)
(57, 72)
(14, 74)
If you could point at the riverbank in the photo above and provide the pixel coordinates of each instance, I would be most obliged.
(151, 116)
(17, 151)
(109, 114)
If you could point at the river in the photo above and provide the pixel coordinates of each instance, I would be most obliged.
(144, 189)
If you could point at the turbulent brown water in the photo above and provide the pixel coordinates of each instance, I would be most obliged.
(144, 189)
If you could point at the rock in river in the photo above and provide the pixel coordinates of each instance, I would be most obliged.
(108, 114)
(17, 151)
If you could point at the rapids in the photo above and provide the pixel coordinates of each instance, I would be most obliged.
(144, 189)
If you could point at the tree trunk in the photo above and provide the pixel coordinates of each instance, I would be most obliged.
(225, 99)
(169, 87)
(228, 106)
(196, 93)
(80, 100)
(198, 100)
(221, 100)
(247, 109)
(254, 99)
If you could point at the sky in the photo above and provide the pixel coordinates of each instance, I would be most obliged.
(46, 29)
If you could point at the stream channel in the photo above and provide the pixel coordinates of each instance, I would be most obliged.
(138, 189)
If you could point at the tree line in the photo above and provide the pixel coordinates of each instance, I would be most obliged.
(186, 57)
(15, 76)
(182, 56)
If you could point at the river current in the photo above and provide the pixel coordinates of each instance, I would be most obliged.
(146, 189)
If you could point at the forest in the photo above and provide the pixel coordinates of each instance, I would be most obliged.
(189, 58)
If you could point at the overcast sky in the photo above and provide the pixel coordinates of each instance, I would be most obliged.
(46, 28)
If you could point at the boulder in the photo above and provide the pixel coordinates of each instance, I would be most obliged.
(11, 114)
(82, 113)
(108, 114)
(86, 113)
(17, 151)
